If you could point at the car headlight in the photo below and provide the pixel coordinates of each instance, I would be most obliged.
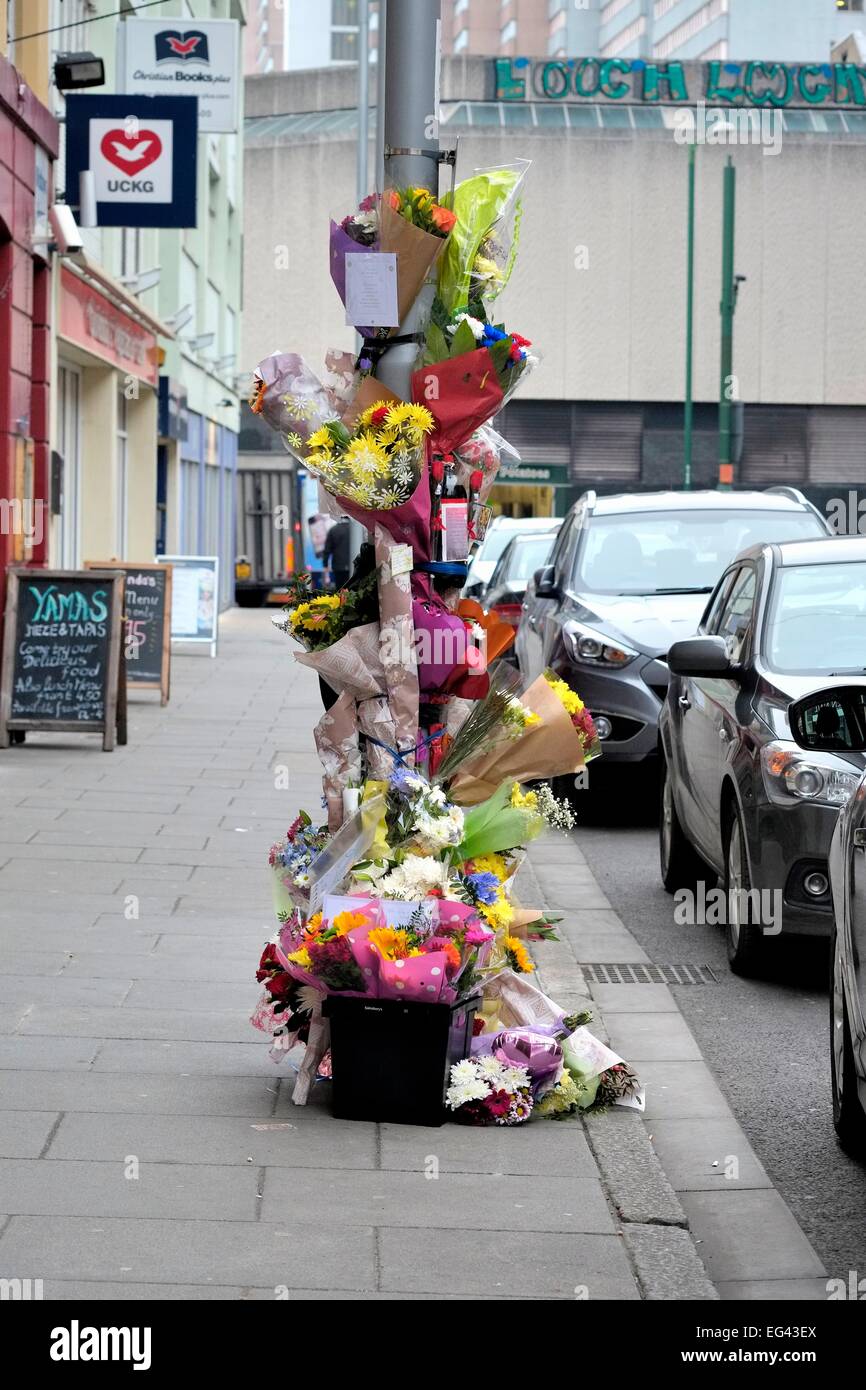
(790, 775)
(592, 648)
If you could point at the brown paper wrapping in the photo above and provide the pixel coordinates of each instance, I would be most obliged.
(549, 749)
(368, 393)
(397, 645)
(351, 664)
(375, 720)
(318, 1042)
(336, 736)
(416, 251)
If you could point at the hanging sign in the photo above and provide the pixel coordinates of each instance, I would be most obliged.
(184, 57)
(141, 152)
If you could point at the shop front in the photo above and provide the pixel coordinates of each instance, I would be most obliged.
(105, 463)
(206, 496)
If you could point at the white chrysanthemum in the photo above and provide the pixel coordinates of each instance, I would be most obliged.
(490, 1068)
(467, 1070)
(308, 998)
(434, 833)
(513, 1078)
(466, 1091)
(475, 324)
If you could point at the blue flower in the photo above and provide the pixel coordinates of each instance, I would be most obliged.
(483, 887)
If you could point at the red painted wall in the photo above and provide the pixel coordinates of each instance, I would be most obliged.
(25, 300)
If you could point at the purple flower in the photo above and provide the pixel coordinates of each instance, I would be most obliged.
(483, 887)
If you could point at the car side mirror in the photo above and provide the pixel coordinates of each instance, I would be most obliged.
(545, 582)
(831, 720)
(701, 656)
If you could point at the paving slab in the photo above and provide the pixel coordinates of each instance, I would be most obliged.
(128, 1187)
(749, 1235)
(143, 1093)
(651, 1037)
(706, 1156)
(556, 1148)
(289, 1253)
(773, 1290)
(25, 1133)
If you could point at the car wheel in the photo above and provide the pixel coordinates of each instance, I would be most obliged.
(743, 938)
(849, 1120)
(681, 865)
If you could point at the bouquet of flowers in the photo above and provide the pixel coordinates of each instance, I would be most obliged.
(578, 713)
(497, 719)
(292, 858)
(319, 620)
(407, 222)
(378, 464)
(485, 1091)
(473, 261)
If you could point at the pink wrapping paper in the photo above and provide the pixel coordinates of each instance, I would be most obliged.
(376, 722)
(351, 664)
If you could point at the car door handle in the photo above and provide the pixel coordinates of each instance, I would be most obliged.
(531, 620)
(684, 701)
(860, 837)
(723, 735)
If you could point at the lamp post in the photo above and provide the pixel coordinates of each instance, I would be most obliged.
(690, 314)
(728, 308)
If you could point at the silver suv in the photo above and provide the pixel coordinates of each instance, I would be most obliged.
(630, 574)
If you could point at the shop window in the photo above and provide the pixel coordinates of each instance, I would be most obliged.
(122, 493)
(344, 46)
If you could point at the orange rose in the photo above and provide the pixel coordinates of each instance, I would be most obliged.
(443, 218)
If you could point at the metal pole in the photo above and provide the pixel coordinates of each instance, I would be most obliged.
(690, 313)
(363, 96)
(411, 128)
(381, 50)
(728, 305)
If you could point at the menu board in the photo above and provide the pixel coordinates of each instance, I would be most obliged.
(62, 653)
(147, 617)
(194, 598)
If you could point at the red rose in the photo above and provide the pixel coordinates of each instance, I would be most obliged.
(280, 983)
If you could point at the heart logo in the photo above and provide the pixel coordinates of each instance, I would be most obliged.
(131, 153)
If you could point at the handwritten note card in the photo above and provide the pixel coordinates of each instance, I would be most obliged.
(371, 288)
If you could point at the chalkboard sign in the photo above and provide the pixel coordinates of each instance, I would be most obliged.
(62, 656)
(195, 597)
(147, 619)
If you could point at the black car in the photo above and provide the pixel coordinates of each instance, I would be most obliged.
(629, 575)
(737, 792)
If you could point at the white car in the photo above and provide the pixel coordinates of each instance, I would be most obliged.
(501, 530)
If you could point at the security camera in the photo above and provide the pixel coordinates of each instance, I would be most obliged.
(65, 229)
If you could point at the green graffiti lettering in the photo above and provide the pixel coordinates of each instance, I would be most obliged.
(770, 96)
(610, 87)
(561, 87)
(509, 87)
(820, 92)
(849, 83)
(717, 93)
(579, 71)
(672, 75)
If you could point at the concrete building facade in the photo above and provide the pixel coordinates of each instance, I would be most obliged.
(601, 280)
(143, 418)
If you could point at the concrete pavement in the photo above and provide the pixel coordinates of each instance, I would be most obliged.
(149, 1145)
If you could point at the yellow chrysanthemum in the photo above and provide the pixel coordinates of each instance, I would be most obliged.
(520, 957)
(414, 420)
(523, 800)
(313, 925)
(365, 456)
(498, 914)
(320, 440)
(491, 864)
(301, 958)
(568, 697)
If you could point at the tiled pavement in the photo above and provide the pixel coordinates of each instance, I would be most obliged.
(148, 1145)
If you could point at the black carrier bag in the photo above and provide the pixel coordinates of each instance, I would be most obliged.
(391, 1060)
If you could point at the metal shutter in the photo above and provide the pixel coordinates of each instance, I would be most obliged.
(774, 444)
(607, 444)
(837, 444)
(539, 430)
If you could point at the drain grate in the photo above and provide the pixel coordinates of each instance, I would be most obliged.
(618, 974)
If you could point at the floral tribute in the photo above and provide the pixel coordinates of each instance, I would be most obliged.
(437, 763)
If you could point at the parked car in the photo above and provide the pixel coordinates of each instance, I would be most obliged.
(629, 574)
(518, 561)
(501, 530)
(737, 793)
(822, 723)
